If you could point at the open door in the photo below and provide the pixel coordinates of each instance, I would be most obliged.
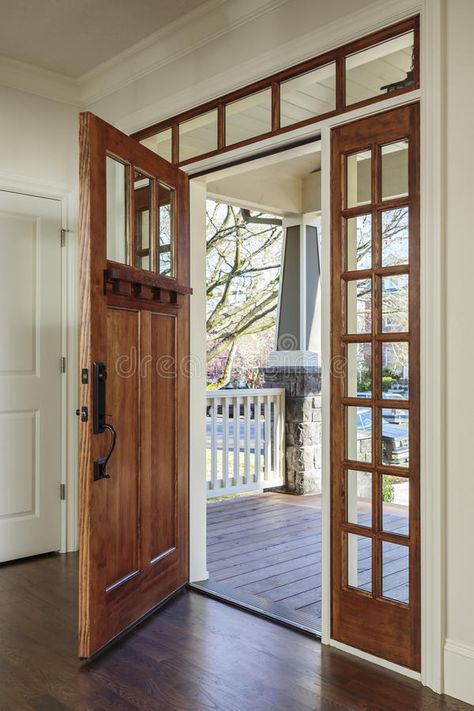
(134, 391)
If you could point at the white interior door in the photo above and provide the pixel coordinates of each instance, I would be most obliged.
(30, 378)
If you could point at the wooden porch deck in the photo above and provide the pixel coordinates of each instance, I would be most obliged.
(264, 551)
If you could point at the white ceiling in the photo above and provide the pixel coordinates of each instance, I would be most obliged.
(73, 36)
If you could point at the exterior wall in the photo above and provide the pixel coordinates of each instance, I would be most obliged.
(459, 651)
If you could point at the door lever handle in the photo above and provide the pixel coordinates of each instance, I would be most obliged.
(100, 465)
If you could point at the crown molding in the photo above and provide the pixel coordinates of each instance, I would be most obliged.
(38, 81)
(186, 35)
(206, 24)
(317, 41)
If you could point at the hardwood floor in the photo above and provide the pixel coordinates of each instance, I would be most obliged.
(265, 550)
(195, 655)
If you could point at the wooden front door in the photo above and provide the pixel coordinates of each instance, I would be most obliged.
(134, 392)
(375, 386)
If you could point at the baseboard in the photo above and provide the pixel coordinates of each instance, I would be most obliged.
(459, 670)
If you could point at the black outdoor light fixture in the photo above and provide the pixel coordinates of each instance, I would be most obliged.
(403, 83)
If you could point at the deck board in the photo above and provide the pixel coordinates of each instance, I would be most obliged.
(269, 546)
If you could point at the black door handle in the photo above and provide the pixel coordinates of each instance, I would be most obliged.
(100, 465)
(99, 421)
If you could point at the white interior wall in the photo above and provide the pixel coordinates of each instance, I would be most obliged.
(38, 139)
(459, 650)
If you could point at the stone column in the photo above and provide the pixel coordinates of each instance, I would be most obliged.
(302, 424)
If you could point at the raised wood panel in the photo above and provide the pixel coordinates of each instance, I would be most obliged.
(123, 352)
(159, 481)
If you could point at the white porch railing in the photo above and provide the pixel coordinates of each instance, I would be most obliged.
(245, 438)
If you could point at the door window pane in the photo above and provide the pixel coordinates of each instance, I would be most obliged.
(198, 135)
(359, 242)
(359, 178)
(359, 306)
(116, 191)
(395, 571)
(359, 497)
(160, 143)
(395, 504)
(395, 170)
(166, 229)
(395, 437)
(359, 370)
(359, 562)
(308, 95)
(358, 423)
(248, 117)
(379, 69)
(394, 232)
(395, 303)
(142, 206)
(395, 371)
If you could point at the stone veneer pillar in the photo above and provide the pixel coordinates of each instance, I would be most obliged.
(302, 424)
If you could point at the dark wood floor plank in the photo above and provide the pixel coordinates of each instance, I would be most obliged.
(196, 654)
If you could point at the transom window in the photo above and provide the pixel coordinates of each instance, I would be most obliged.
(359, 73)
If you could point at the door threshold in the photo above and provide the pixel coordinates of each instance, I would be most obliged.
(258, 606)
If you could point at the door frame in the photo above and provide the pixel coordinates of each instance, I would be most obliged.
(67, 197)
(432, 229)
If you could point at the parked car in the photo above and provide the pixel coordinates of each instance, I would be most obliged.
(395, 449)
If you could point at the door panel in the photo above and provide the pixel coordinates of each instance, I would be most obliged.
(159, 494)
(134, 527)
(30, 378)
(122, 488)
(375, 404)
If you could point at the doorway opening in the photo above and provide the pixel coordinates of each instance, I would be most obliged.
(263, 399)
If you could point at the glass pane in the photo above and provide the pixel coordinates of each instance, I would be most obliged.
(395, 170)
(359, 497)
(359, 370)
(142, 206)
(359, 562)
(394, 231)
(359, 179)
(379, 69)
(160, 143)
(198, 135)
(359, 306)
(248, 117)
(308, 95)
(359, 242)
(166, 222)
(395, 571)
(395, 303)
(116, 189)
(395, 371)
(358, 433)
(395, 503)
(395, 437)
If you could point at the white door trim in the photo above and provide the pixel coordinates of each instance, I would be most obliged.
(432, 331)
(69, 340)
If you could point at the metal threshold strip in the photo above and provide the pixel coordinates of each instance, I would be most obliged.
(258, 606)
